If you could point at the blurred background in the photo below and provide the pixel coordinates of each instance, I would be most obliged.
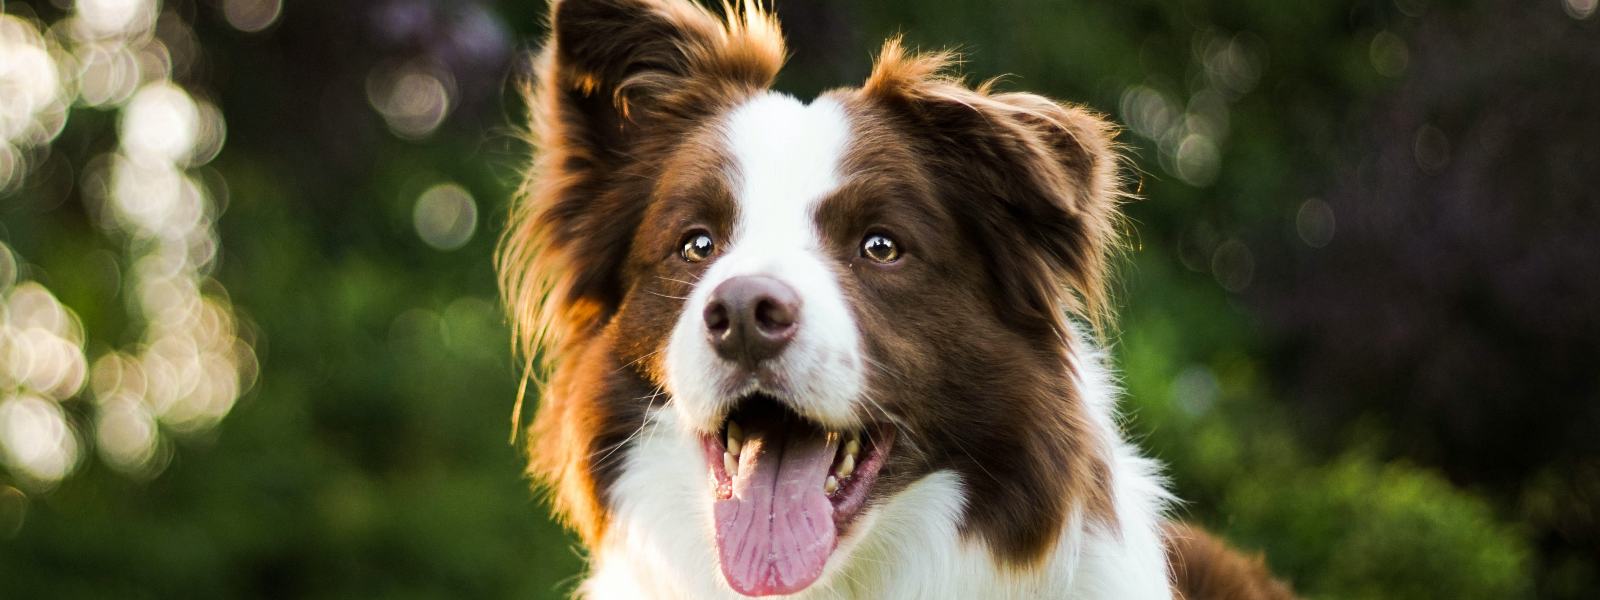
(250, 346)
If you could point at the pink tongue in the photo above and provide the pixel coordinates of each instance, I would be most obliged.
(776, 531)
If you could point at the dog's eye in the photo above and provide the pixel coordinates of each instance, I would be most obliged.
(697, 246)
(880, 248)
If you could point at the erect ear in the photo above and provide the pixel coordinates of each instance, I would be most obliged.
(617, 82)
(1036, 180)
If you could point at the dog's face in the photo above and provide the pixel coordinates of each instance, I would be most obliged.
(834, 299)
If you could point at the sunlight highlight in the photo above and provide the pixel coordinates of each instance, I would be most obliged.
(445, 216)
(192, 360)
(414, 98)
(1190, 134)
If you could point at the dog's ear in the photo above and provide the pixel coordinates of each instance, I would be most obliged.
(623, 65)
(1036, 181)
(1034, 184)
(615, 84)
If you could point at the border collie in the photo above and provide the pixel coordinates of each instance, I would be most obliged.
(826, 349)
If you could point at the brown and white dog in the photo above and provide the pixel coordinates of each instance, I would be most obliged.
(830, 349)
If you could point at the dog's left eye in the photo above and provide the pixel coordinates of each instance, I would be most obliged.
(880, 248)
(697, 246)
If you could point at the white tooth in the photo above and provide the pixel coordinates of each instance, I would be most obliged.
(830, 485)
(846, 466)
(734, 446)
(732, 466)
(852, 447)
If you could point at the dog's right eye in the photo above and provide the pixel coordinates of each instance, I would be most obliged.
(697, 246)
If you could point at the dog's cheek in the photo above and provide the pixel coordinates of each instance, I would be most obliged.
(910, 325)
(645, 325)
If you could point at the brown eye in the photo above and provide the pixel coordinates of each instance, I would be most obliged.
(880, 248)
(697, 246)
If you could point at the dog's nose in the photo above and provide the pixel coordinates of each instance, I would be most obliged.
(751, 318)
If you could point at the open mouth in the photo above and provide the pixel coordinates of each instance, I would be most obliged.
(785, 490)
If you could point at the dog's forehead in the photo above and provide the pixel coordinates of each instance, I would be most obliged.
(786, 158)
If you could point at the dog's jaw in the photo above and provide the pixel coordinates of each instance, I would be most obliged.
(910, 545)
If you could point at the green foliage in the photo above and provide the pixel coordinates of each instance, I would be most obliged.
(1347, 526)
(1363, 529)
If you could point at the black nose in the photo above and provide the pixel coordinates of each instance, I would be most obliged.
(751, 318)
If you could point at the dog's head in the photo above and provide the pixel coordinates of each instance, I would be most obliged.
(834, 298)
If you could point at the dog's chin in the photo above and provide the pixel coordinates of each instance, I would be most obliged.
(785, 490)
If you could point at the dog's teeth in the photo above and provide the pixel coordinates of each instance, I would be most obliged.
(852, 447)
(830, 485)
(735, 438)
(728, 463)
(846, 466)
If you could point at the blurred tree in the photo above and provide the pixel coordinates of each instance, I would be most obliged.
(1453, 301)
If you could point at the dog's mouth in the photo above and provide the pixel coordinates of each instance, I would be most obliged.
(785, 490)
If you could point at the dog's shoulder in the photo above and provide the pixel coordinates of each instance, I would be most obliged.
(1205, 568)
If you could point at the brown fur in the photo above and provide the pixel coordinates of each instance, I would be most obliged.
(1204, 568)
(1069, 171)
(1005, 205)
(999, 199)
(618, 80)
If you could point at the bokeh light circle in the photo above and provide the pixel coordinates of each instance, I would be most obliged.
(445, 216)
(251, 16)
(161, 122)
(35, 439)
(188, 366)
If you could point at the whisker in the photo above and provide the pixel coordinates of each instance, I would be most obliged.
(908, 441)
(883, 369)
(637, 361)
(963, 449)
(643, 422)
(689, 283)
(886, 415)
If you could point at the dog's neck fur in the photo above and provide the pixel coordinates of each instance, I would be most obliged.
(659, 544)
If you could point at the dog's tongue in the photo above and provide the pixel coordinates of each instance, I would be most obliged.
(776, 531)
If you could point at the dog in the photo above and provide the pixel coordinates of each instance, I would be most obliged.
(842, 348)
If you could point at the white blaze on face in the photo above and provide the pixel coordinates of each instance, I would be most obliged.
(786, 158)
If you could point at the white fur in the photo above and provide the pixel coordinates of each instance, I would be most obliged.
(661, 542)
(1134, 563)
(786, 161)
